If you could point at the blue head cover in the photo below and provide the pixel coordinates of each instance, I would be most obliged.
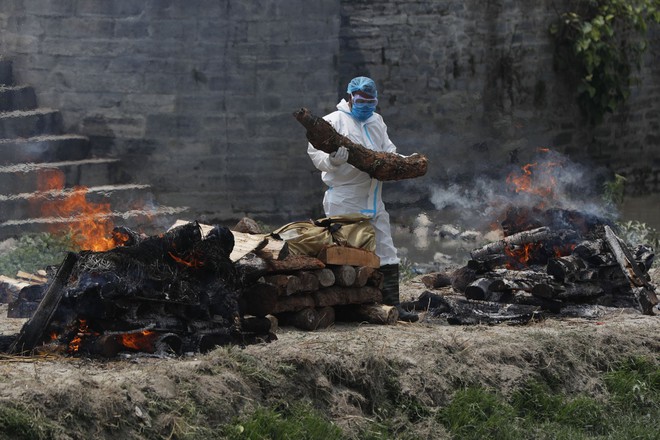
(363, 110)
(363, 84)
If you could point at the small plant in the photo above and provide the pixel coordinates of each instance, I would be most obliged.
(635, 233)
(614, 190)
(35, 251)
(599, 44)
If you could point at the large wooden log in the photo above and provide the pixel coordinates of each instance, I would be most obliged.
(379, 165)
(371, 313)
(643, 290)
(524, 237)
(436, 280)
(344, 275)
(33, 331)
(325, 276)
(362, 275)
(329, 296)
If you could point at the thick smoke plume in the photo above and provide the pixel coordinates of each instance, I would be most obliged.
(549, 181)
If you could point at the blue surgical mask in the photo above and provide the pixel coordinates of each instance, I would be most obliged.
(363, 110)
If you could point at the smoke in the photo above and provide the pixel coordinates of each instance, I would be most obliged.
(549, 181)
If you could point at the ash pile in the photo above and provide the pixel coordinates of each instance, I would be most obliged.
(549, 262)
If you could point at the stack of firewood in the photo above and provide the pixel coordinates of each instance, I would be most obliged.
(341, 283)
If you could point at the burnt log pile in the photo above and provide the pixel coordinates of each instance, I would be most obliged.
(544, 266)
(175, 292)
(189, 290)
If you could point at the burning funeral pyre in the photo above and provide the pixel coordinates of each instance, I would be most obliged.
(550, 259)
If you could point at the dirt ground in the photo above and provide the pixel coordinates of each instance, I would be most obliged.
(351, 372)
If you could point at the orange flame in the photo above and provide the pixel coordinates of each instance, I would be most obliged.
(522, 254)
(192, 263)
(535, 178)
(83, 330)
(141, 341)
(89, 224)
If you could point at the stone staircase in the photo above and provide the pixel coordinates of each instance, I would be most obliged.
(33, 145)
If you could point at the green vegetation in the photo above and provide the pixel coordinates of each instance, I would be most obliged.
(599, 44)
(299, 422)
(17, 423)
(35, 251)
(537, 412)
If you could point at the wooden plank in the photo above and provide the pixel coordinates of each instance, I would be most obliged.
(344, 255)
(31, 277)
(33, 331)
(245, 244)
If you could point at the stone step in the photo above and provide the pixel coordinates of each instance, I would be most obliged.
(150, 221)
(6, 75)
(125, 197)
(17, 98)
(30, 177)
(30, 123)
(52, 148)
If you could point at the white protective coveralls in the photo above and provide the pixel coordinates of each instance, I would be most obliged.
(351, 190)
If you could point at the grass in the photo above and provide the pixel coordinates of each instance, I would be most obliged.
(299, 422)
(19, 423)
(535, 411)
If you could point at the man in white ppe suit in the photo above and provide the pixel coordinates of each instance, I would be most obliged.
(353, 191)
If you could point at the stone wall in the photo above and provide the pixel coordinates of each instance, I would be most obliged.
(196, 97)
(472, 84)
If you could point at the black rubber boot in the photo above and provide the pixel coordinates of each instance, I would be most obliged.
(391, 292)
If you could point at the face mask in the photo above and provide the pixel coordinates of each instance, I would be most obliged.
(363, 108)
(362, 111)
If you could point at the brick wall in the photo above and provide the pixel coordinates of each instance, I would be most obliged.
(196, 97)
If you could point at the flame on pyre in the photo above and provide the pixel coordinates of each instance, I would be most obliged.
(88, 223)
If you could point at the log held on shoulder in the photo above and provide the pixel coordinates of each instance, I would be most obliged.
(379, 165)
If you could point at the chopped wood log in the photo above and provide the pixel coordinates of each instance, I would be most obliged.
(462, 278)
(371, 313)
(344, 255)
(331, 296)
(376, 280)
(33, 331)
(325, 276)
(566, 268)
(644, 256)
(526, 298)
(285, 284)
(362, 275)
(344, 275)
(274, 323)
(292, 303)
(294, 263)
(488, 263)
(479, 289)
(253, 266)
(436, 280)
(643, 290)
(524, 237)
(379, 165)
(308, 281)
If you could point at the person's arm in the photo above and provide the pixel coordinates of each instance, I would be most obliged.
(322, 160)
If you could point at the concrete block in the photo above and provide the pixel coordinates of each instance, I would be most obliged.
(17, 98)
(44, 149)
(24, 124)
(6, 77)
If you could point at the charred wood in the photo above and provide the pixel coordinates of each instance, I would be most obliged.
(436, 280)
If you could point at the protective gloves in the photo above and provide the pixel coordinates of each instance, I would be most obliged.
(339, 157)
